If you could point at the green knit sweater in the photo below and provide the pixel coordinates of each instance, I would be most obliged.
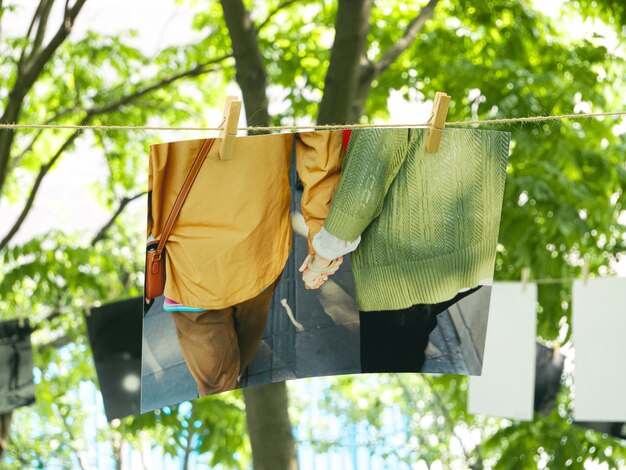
(429, 221)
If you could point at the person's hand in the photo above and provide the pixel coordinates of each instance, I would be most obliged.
(315, 270)
(312, 280)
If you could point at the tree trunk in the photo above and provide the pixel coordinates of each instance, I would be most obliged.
(251, 75)
(363, 88)
(269, 427)
(187, 451)
(347, 84)
(350, 73)
(116, 444)
(344, 70)
(5, 427)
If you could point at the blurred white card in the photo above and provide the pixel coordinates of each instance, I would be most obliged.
(599, 329)
(506, 386)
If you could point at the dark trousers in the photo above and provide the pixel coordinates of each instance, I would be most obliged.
(396, 340)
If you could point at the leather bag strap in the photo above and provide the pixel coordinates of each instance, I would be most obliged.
(182, 195)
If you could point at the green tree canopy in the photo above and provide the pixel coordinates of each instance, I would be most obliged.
(310, 61)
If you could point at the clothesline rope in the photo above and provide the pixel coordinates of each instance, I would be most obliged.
(311, 126)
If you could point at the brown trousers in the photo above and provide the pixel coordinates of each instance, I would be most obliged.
(218, 345)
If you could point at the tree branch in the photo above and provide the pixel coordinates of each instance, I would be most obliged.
(38, 61)
(122, 205)
(25, 82)
(98, 237)
(59, 342)
(198, 70)
(42, 27)
(1, 14)
(36, 16)
(33, 22)
(15, 161)
(371, 70)
(43, 171)
(48, 318)
(410, 33)
(65, 339)
(272, 13)
(116, 445)
(187, 453)
(451, 423)
(194, 72)
(79, 455)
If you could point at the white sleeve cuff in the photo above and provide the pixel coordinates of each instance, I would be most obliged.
(329, 246)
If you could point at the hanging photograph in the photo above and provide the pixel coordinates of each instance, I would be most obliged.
(16, 366)
(115, 336)
(598, 327)
(506, 386)
(275, 257)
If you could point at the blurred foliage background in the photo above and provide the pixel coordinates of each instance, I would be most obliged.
(496, 58)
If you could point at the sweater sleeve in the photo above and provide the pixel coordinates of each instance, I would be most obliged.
(318, 161)
(329, 246)
(371, 163)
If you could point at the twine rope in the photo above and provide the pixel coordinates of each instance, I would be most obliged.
(312, 126)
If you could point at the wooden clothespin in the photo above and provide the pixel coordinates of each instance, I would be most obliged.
(437, 121)
(21, 322)
(556, 349)
(525, 278)
(585, 270)
(229, 130)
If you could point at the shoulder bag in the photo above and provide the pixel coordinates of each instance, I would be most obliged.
(155, 249)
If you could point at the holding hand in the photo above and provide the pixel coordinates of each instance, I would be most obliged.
(315, 270)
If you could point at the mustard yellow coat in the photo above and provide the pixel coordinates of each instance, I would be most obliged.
(233, 235)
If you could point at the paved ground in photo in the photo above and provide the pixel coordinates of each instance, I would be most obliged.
(328, 344)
